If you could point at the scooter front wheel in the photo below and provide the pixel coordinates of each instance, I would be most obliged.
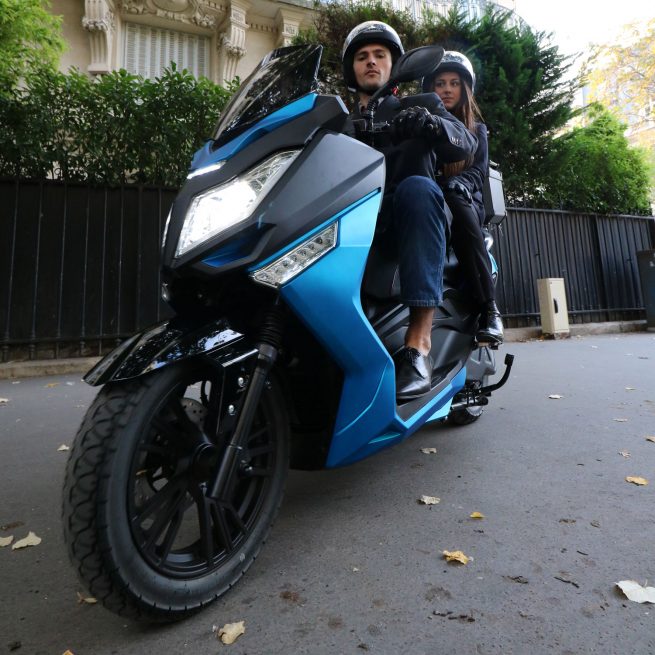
(141, 530)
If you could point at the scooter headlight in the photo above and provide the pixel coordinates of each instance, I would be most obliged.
(224, 206)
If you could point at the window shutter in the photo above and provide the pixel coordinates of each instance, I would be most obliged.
(147, 51)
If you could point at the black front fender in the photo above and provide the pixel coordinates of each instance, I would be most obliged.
(163, 344)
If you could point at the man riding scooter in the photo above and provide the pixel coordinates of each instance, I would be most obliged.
(413, 217)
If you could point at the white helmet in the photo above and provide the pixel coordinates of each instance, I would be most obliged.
(452, 61)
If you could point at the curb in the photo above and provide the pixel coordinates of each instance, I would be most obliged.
(41, 368)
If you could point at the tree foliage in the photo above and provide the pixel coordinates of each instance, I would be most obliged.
(595, 169)
(522, 90)
(30, 39)
(114, 129)
(622, 75)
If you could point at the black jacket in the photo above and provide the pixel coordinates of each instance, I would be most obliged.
(416, 156)
(474, 176)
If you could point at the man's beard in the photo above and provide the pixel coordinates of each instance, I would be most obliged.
(370, 86)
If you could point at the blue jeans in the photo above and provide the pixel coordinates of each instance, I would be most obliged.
(419, 227)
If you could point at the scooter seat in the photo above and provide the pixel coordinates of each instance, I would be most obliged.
(382, 279)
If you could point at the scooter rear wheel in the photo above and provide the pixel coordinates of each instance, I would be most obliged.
(143, 535)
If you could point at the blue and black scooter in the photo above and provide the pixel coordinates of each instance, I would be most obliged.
(280, 353)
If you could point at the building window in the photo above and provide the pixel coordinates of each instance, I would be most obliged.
(149, 50)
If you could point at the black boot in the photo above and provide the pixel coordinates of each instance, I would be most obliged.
(490, 326)
(413, 374)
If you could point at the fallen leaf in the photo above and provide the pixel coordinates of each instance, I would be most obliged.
(631, 389)
(624, 453)
(477, 515)
(429, 451)
(555, 396)
(81, 598)
(68, 652)
(4, 401)
(637, 480)
(621, 420)
(30, 540)
(230, 632)
(650, 439)
(635, 592)
(455, 556)
(5, 541)
(595, 524)
(355, 569)
(429, 500)
(63, 447)
(51, 384)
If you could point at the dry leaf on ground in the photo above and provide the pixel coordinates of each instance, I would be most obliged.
(68, 652)
(635, 592)
(477, 515)
(621, 420)
(624, 453)
(555, 396)
(81, 598)
(455, 556)
(429, 500)
(230, 632)
(5, 541)
(51, 384)
(631, 388)
(63, 447)
(650, 439)
(637, 480)
(30, 540)
(429, 451)
(3, 401)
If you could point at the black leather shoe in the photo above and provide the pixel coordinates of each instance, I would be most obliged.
(490, 326)
(413, 374)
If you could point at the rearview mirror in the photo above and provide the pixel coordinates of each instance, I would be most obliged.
(413, 65)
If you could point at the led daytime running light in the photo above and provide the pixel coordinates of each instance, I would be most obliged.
(297, 260)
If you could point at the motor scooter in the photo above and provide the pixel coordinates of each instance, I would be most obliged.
(280, 352)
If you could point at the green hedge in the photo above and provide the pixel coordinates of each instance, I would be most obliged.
(115, 129)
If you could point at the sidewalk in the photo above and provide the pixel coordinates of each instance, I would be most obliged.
(39, 368)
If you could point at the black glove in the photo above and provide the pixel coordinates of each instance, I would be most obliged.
(457, 187)
(415, 123)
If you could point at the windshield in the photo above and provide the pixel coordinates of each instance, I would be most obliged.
(283, 76)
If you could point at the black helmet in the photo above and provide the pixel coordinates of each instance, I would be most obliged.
(372, 31)
(452, 61)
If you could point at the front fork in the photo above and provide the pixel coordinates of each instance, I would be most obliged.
(268, 347)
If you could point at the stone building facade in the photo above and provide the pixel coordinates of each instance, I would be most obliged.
(219, 39)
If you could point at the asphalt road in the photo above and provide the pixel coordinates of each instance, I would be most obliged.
(354, 563)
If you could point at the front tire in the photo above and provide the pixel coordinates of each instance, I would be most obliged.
(143, 535)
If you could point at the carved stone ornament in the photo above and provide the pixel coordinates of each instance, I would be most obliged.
(197, 12)
(171, 5)
(98, 21)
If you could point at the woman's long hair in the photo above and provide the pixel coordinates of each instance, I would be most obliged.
(468, 112)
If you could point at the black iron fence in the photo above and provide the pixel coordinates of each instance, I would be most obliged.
(79, 265)
(595, 254)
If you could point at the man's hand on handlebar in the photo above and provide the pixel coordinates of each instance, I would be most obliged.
(415, 123)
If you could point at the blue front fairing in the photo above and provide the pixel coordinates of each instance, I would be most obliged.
(327, 298)
(206, 155)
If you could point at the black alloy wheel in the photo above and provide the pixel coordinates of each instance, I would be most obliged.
(141, 530)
